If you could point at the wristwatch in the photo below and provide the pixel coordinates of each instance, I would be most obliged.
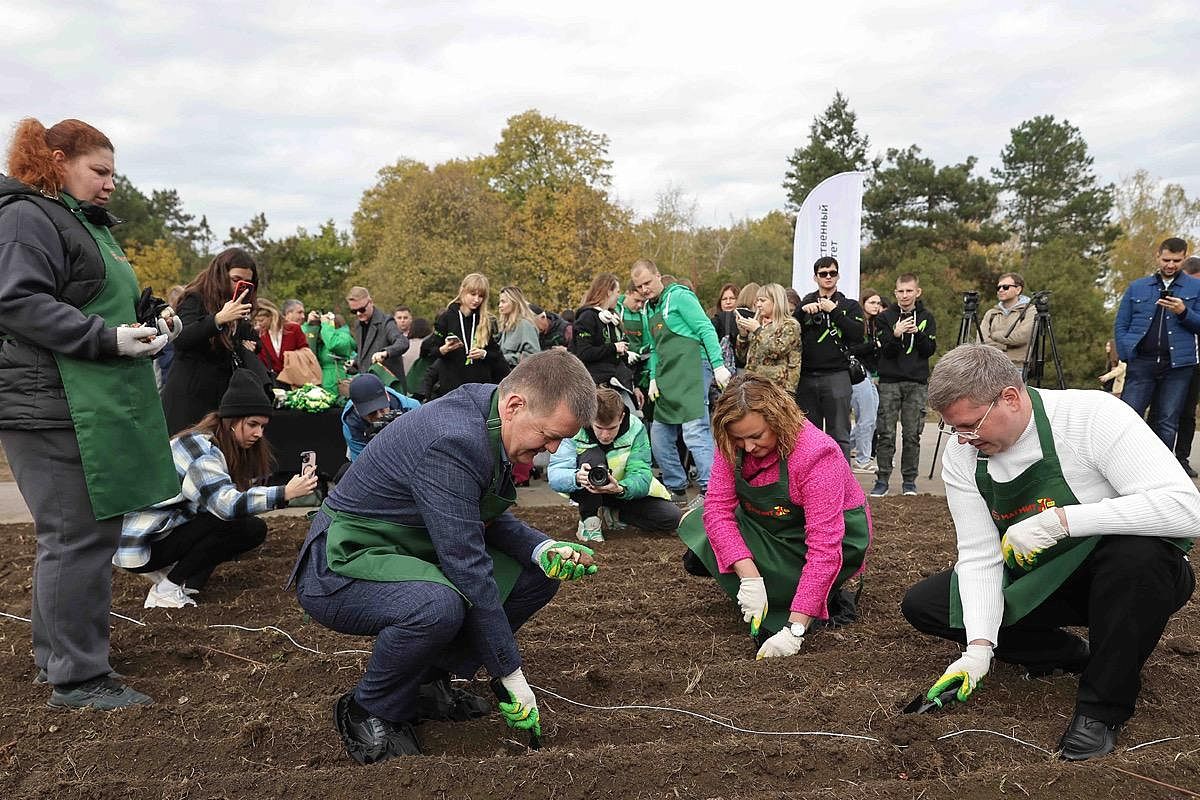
(796, 629)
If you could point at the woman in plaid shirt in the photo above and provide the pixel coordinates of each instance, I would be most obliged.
(178, 543)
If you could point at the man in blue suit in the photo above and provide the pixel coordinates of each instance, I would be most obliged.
(416, 547)
(1155, 334)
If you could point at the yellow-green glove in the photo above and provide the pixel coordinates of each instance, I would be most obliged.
(521, 711)
(1029, 538)
(967, 672)
(566, 561)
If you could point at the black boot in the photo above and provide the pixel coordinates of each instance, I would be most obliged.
(441, 700)
(1087, 738)
(369, 739)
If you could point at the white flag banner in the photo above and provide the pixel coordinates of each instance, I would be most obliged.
(830, 224)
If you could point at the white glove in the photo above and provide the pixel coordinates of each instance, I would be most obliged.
(632, 357)
(1025, 540)
(654, 392)
(781, 644)
(752, 600)
(722, 375)
(967, 672)
(139, 342)
(170, 326)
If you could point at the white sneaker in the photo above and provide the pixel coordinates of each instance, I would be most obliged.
(167, 595)
(155, 578)
(589, 530)
(610, 519)
(697, 502)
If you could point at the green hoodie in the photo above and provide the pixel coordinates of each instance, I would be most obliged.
(685, 316)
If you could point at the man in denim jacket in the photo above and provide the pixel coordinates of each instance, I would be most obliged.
(1156, 328)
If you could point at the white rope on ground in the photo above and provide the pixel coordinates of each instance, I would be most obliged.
(996, 733)
(270, 628)
(128, 619)
(351, 652)
(1156, 741)
(704, 717)
(14, 616)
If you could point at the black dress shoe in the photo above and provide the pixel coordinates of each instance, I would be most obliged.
(1191, 473)
(370, 739)
(1087, 738)
(441, 700)
(1074, 663)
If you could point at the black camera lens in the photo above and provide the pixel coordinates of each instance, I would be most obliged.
(598, 476)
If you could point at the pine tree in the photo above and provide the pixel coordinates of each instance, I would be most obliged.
(834, 145)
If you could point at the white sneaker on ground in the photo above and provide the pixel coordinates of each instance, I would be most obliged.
(697, 502)
(610, 519)
(863, 467)
(155, 578)
(589, 530)
(166, 594)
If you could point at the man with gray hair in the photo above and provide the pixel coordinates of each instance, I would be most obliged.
(416, 547)
(1068, 512)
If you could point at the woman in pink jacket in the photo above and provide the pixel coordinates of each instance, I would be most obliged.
(784, 524)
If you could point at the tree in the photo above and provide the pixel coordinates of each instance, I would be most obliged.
(834, 145)
(251, 237)
(668, 236)
(311, 268)
(911, 202)
(536, 151)
(1147, 212)
(141, 223)
(156, 265)
(1051, 189)
(379, 203)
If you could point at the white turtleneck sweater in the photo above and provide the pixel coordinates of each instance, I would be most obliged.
(1125, 479)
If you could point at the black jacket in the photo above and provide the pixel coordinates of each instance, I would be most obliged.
(869, 349)
(50, 266)
(824, 334)
(452, 370)
(594, 343)
(203, 364)
(559, 332)
(906, 358)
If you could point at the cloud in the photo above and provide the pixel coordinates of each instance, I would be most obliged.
(291, 109)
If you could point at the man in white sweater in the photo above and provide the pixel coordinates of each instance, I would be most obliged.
(1068, 510)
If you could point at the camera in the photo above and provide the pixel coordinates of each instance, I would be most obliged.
(389, 416)
(970, 301)
(1041, 301)
(598, 476)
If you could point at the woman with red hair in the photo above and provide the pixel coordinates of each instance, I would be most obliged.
(80, 417)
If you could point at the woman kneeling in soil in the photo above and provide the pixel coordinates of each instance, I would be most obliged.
(178, 543)
(784, 524)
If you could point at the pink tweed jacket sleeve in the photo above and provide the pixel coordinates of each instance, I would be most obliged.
(820, 482)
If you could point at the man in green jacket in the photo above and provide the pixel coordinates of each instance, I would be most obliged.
(685, 358)
(607, 465)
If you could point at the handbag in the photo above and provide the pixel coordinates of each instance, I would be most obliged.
(300, 367)
(858, 373)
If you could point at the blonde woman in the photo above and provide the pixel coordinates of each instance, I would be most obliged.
(518, 334)
(770, 340)
(785, 524)
(464, 340)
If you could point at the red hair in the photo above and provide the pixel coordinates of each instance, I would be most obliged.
(31, 154)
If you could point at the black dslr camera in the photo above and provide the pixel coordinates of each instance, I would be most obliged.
(970, 302)
(1041, 301)
(598, 476)
(389, 416)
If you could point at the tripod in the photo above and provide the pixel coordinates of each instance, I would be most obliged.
(968, 331)
(1041, 337)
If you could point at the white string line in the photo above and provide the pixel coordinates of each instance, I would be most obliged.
(706, 718)
(1159, 741)
(270, 628)
(128, 619)
(996, 733)
(14, 616)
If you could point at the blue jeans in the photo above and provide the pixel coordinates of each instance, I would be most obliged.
(1150, 384)
(864, 402)
(697, 435)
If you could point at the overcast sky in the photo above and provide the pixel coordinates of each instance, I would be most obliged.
(274, 107)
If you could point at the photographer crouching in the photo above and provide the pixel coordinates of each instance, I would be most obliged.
(372, 406)
(607, 465)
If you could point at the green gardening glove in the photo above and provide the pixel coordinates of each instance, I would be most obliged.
(567, 561)
(520, 711)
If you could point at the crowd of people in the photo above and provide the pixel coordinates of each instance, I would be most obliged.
(745, 410)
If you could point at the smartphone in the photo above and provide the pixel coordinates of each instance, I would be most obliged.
(243, 286)
(308, 462)
(744, 313)
(450, 337)
(1163, 294)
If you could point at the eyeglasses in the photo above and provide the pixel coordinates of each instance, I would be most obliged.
(360, 310)
(1004, 286)
(827, 273)
(970, 436)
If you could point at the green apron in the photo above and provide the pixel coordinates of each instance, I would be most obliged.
(1039, 487)
(772, 526)
(114, 402)
(680, 375)
(378, 550)
(389, 378)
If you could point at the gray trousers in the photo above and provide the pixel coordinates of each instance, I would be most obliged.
(72, 574)
(904, 400)
(825, 400)
(417, 625)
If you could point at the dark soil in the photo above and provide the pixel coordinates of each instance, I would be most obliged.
(243, 714)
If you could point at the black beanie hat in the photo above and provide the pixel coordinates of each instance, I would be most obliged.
(245, 397)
